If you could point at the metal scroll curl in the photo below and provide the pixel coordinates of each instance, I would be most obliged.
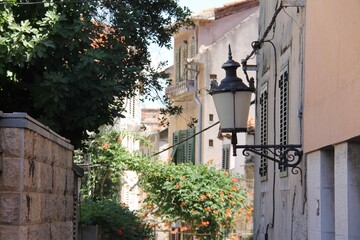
(285, 155)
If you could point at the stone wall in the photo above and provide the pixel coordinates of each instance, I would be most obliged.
(36, 181)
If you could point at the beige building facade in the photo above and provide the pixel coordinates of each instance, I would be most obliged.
(313, 46)
(331, 119)
(199, 53)
(280, 192)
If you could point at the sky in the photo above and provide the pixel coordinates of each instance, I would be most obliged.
(161, 55)
(195, 6)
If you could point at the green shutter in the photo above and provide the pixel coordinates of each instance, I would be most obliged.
(178, 65)
(225, 157)
(182, 147)
(184, 152)
(174, 151)
(185, 57)
(190, 146)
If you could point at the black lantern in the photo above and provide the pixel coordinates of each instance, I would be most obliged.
(232, 100)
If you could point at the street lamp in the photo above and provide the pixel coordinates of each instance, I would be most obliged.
(232, 100)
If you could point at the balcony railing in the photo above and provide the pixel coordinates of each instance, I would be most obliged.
(178, 88)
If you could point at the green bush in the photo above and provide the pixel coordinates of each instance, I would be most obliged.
(115, 221)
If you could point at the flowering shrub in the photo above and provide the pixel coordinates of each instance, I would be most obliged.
(116, 221)
(205, 201)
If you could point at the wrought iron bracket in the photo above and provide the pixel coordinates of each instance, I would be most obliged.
(285, 155)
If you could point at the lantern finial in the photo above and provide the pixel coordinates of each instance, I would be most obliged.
(230, 54)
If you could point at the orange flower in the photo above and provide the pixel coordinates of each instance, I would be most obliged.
(170, 159)
(119, 139)
(210, 160)
(182, 204)
(230, 195)
(202, 197)
(204, 223)
(216, 211)
(183, 178)
(221, 193)
(174, 231)
(105, 146)
(184, 228)
(208, 209)
(228, 213)
(119, 232)
(234, 188)
(235, 180)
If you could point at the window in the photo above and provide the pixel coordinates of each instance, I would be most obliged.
(211, 143)
(263, 129)
(184, 151)
(211, 117)
(225, 163)
(185, 55)
(283, 115)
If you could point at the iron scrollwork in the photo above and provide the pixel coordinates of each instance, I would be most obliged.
(285, 155)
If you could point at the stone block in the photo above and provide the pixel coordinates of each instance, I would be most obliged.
(69, 182)
(28, 144)
(10, 178)
(69, 207)
(32, 177)
(69, 155)
(10, 208)
(46, 173)
(61, 207)
(39, 231)
(13, 233)
(49, 208)
(12, 142)
(61, 230)
(39, 142)
(59, 179)
(31, 208)
(55, 154)
(47, 148)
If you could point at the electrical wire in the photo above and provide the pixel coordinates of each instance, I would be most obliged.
(185, 139)
(274, 109)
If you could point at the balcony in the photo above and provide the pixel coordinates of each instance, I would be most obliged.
(179, 88)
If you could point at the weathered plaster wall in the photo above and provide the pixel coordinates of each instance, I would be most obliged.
(37, 181)
(280, 197)
(332, 78)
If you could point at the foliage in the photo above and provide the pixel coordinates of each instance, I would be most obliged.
(106, 158)
(205, 200)
(116, 221)
(71, 65)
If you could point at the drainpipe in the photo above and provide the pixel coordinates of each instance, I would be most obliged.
(197, 100)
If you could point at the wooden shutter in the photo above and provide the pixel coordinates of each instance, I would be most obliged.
(283, 115)
(190, 146)
(263, 129)
(225, 163)
(174, 154)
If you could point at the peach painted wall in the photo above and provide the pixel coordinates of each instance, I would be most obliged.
(332, 72)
